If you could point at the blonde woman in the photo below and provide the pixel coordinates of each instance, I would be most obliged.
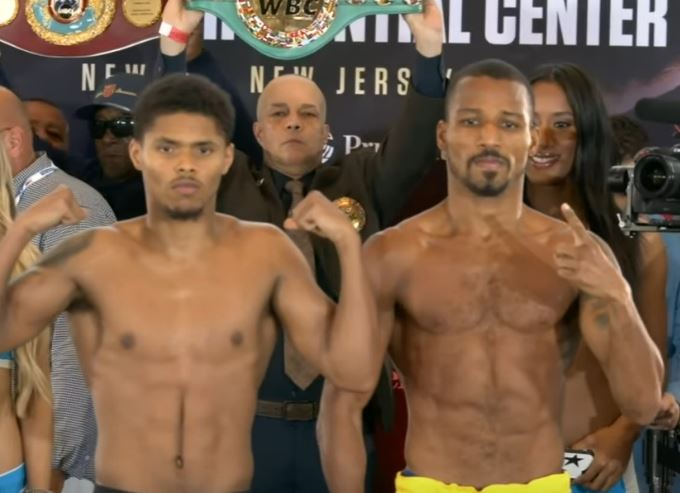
(25, 407)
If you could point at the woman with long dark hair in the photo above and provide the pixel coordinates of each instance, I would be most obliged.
(569, 164)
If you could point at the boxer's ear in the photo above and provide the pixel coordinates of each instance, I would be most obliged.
(442, 127)
(135, 150)
(229, 154)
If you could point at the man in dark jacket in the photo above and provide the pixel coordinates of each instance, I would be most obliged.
(111, 123)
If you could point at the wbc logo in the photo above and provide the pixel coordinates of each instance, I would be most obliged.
(296, 9)
(286, 23)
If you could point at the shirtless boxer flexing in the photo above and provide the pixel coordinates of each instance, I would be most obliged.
(479, 300)
(171, 308)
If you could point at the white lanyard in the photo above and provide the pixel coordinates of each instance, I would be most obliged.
(33, 179)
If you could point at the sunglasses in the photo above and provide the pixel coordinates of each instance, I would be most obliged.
(120, 127)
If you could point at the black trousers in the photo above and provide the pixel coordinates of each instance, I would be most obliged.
(287, 458)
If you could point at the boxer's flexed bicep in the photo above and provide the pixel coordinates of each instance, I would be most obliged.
(57, 208)
(383, 274)
(340, 340)
(35, 298)
(301, 306)
(26, 306)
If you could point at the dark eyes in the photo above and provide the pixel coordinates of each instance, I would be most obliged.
(510, 125)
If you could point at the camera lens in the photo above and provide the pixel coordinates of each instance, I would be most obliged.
(657, 176)
(617, 179)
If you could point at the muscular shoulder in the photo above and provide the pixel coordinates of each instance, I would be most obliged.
(547, 230)
(391, 242)
(558, 232)
(261, 240)
(74, 249)
(393, 251)
(536, 221)
(254, 233)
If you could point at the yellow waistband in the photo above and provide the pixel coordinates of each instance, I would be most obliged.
(555, 483)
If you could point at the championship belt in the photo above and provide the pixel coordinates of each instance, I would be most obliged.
(289, 29)
(71, 28)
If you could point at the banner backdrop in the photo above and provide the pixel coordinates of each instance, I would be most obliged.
(631, 46)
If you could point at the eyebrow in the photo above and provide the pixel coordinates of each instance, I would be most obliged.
(513, 114)
(166, 140)
(505, 113)
(304, 106)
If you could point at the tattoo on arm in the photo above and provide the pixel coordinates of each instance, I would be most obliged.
(602, 320)
(600, 310)
(67, 249)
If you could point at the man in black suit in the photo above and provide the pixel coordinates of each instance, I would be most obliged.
(371, 187)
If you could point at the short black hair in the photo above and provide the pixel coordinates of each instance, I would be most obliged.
(184, 93)
(43, 101)
(494, 68)
(629, 134)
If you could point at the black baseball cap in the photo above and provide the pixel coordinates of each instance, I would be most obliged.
(118, 91)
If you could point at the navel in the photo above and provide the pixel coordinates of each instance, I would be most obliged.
(237, 338)
(127, 341)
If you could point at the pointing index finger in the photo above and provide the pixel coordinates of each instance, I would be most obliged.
(581, 235)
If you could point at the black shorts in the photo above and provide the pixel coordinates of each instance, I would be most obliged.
(103, 489)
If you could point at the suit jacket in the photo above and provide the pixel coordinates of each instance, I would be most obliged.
(381, 182)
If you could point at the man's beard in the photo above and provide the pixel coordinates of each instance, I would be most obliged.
(488, 188)
(184, 215)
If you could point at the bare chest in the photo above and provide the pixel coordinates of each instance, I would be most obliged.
(464, 290)
(200, 313)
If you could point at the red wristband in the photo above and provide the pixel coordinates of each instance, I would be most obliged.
(173, 33)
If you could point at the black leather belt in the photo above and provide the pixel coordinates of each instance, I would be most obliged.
(288, 410)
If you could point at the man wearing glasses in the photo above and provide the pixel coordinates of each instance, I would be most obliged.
(111, 125)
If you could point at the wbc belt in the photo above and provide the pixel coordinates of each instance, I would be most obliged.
(289, 29)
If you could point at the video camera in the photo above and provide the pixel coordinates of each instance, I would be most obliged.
(652, 182)
(652, 188)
